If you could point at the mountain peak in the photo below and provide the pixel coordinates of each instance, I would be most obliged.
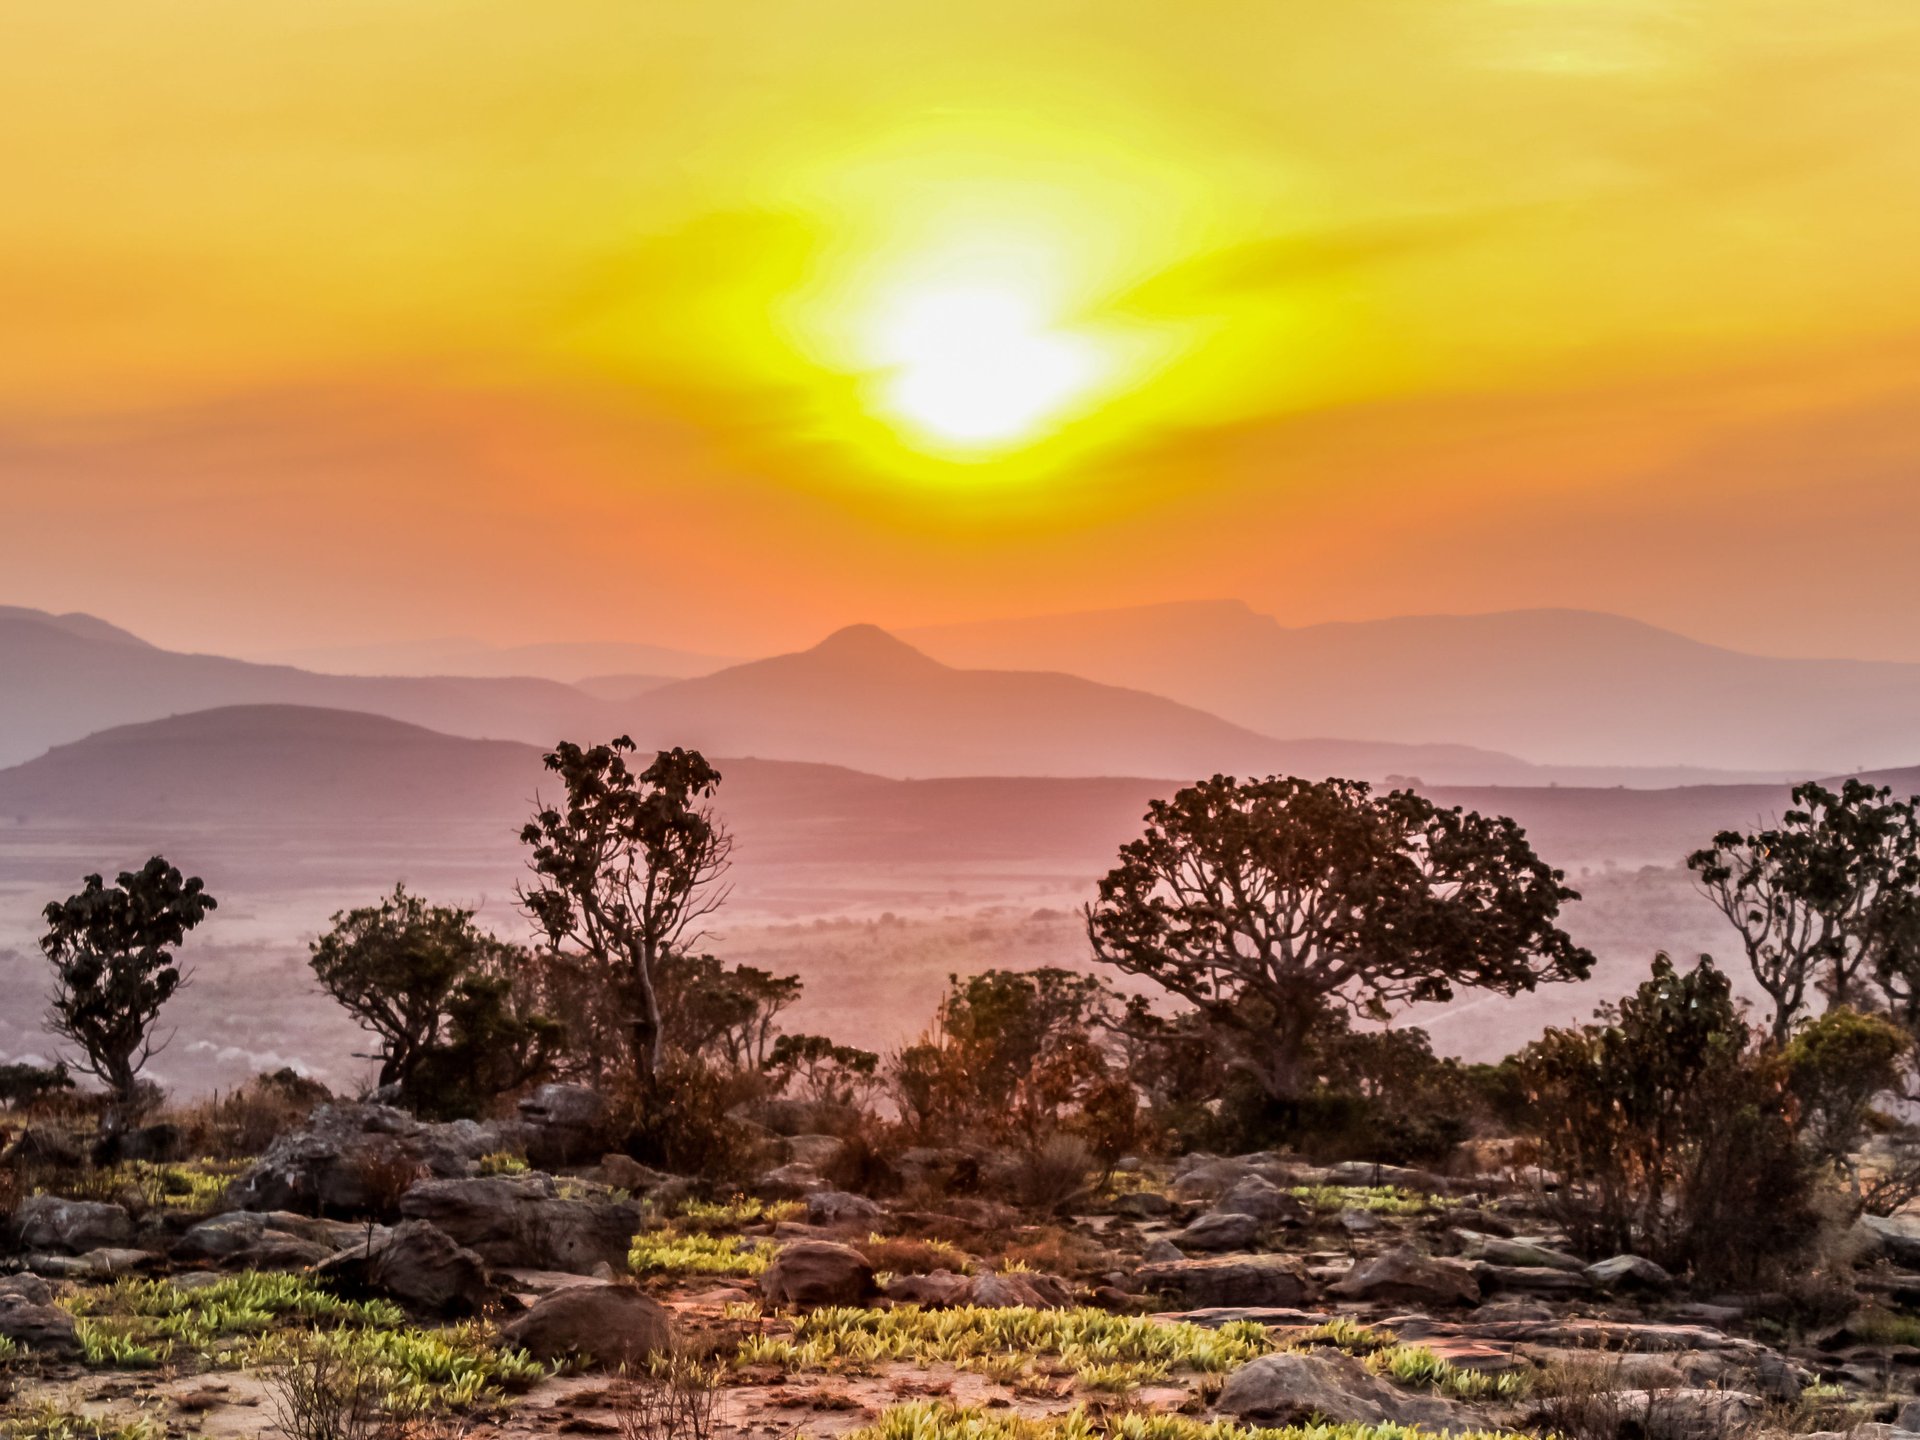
(869, 645)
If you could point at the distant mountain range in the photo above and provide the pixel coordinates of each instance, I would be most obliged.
(1556, 686)
(65, 677)
(1449, 700)
(861, 698)
(570, 661)
(867, 700)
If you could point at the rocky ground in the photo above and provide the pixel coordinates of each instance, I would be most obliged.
(508, 1279)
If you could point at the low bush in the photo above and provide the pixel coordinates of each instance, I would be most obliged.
(936, 1420)
(672, 1252)
(1674, 1132)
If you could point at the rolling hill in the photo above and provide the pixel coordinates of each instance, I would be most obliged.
(865, 699)
(65, 677)
(1559, 687)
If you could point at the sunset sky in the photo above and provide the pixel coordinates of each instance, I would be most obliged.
(724, 324)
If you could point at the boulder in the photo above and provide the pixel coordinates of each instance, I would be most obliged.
(1532, 1280)
(353, 1159)
(789, 1182)
(417, 1264)
(1366, 1173)
(102, 1264)
(1294, 1388)
(566, 1124)
(1161, 1251)
(1259, 1197)
(1215, 1232)
(623, 1172)
(269, 1239)
(1019, 1290)
(817, 1151)
(941, 1290)
(818, 1272)
(1142, 1205)
(29, 1317)
(1237, 1280)
(1622, 1273)
(1889, 1237)
(1405, 1276)
(70, 1227)
(612, 1324)
(520, 1220)
(1206, 1177)
(838, 1207)
(1519, 1251)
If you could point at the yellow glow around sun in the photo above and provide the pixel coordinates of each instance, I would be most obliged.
(979, 368)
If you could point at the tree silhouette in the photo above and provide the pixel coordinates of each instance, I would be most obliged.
(111, 948)
(1823, 899)
(625, 866)
(1269, 903)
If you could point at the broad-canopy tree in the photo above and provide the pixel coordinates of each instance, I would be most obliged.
(453, 1006)
(1269, 903)
(112, 952)
(1823, 901)
(625, 865)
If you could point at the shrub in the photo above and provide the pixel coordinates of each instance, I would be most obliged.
(24, 1086)
(1673, 1131)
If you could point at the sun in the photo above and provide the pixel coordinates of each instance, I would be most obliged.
(973, 370)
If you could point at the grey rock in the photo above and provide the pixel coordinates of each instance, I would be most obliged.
(567, 1124)
(1217, 1231)
(520, 1220)
(623, 1172)
(608, 1324)
(1520, 1251)
(1142, 1205)
(1234, 1280)
(36, 1323)
(1206, 1177)
(1889, 1237)
(418, 1265)
(269, 1239)
(1532, 1280)
(101, 1264)
(1259, 1197)
(1405, 1276)
(1161, 1252)
(818, 1151)
(1289, 1389)
(818, 1272)
(1629, 1273)
(50, 1224)
(788, 1182)
(1365, 1172)
(839, 1207)
(351, 1159)
(1020, 1290)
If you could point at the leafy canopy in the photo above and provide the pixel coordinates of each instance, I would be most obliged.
(1267, 902)
(112, 952)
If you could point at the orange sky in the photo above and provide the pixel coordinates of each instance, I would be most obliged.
(379, 319)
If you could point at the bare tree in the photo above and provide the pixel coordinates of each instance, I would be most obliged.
(626, 867)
